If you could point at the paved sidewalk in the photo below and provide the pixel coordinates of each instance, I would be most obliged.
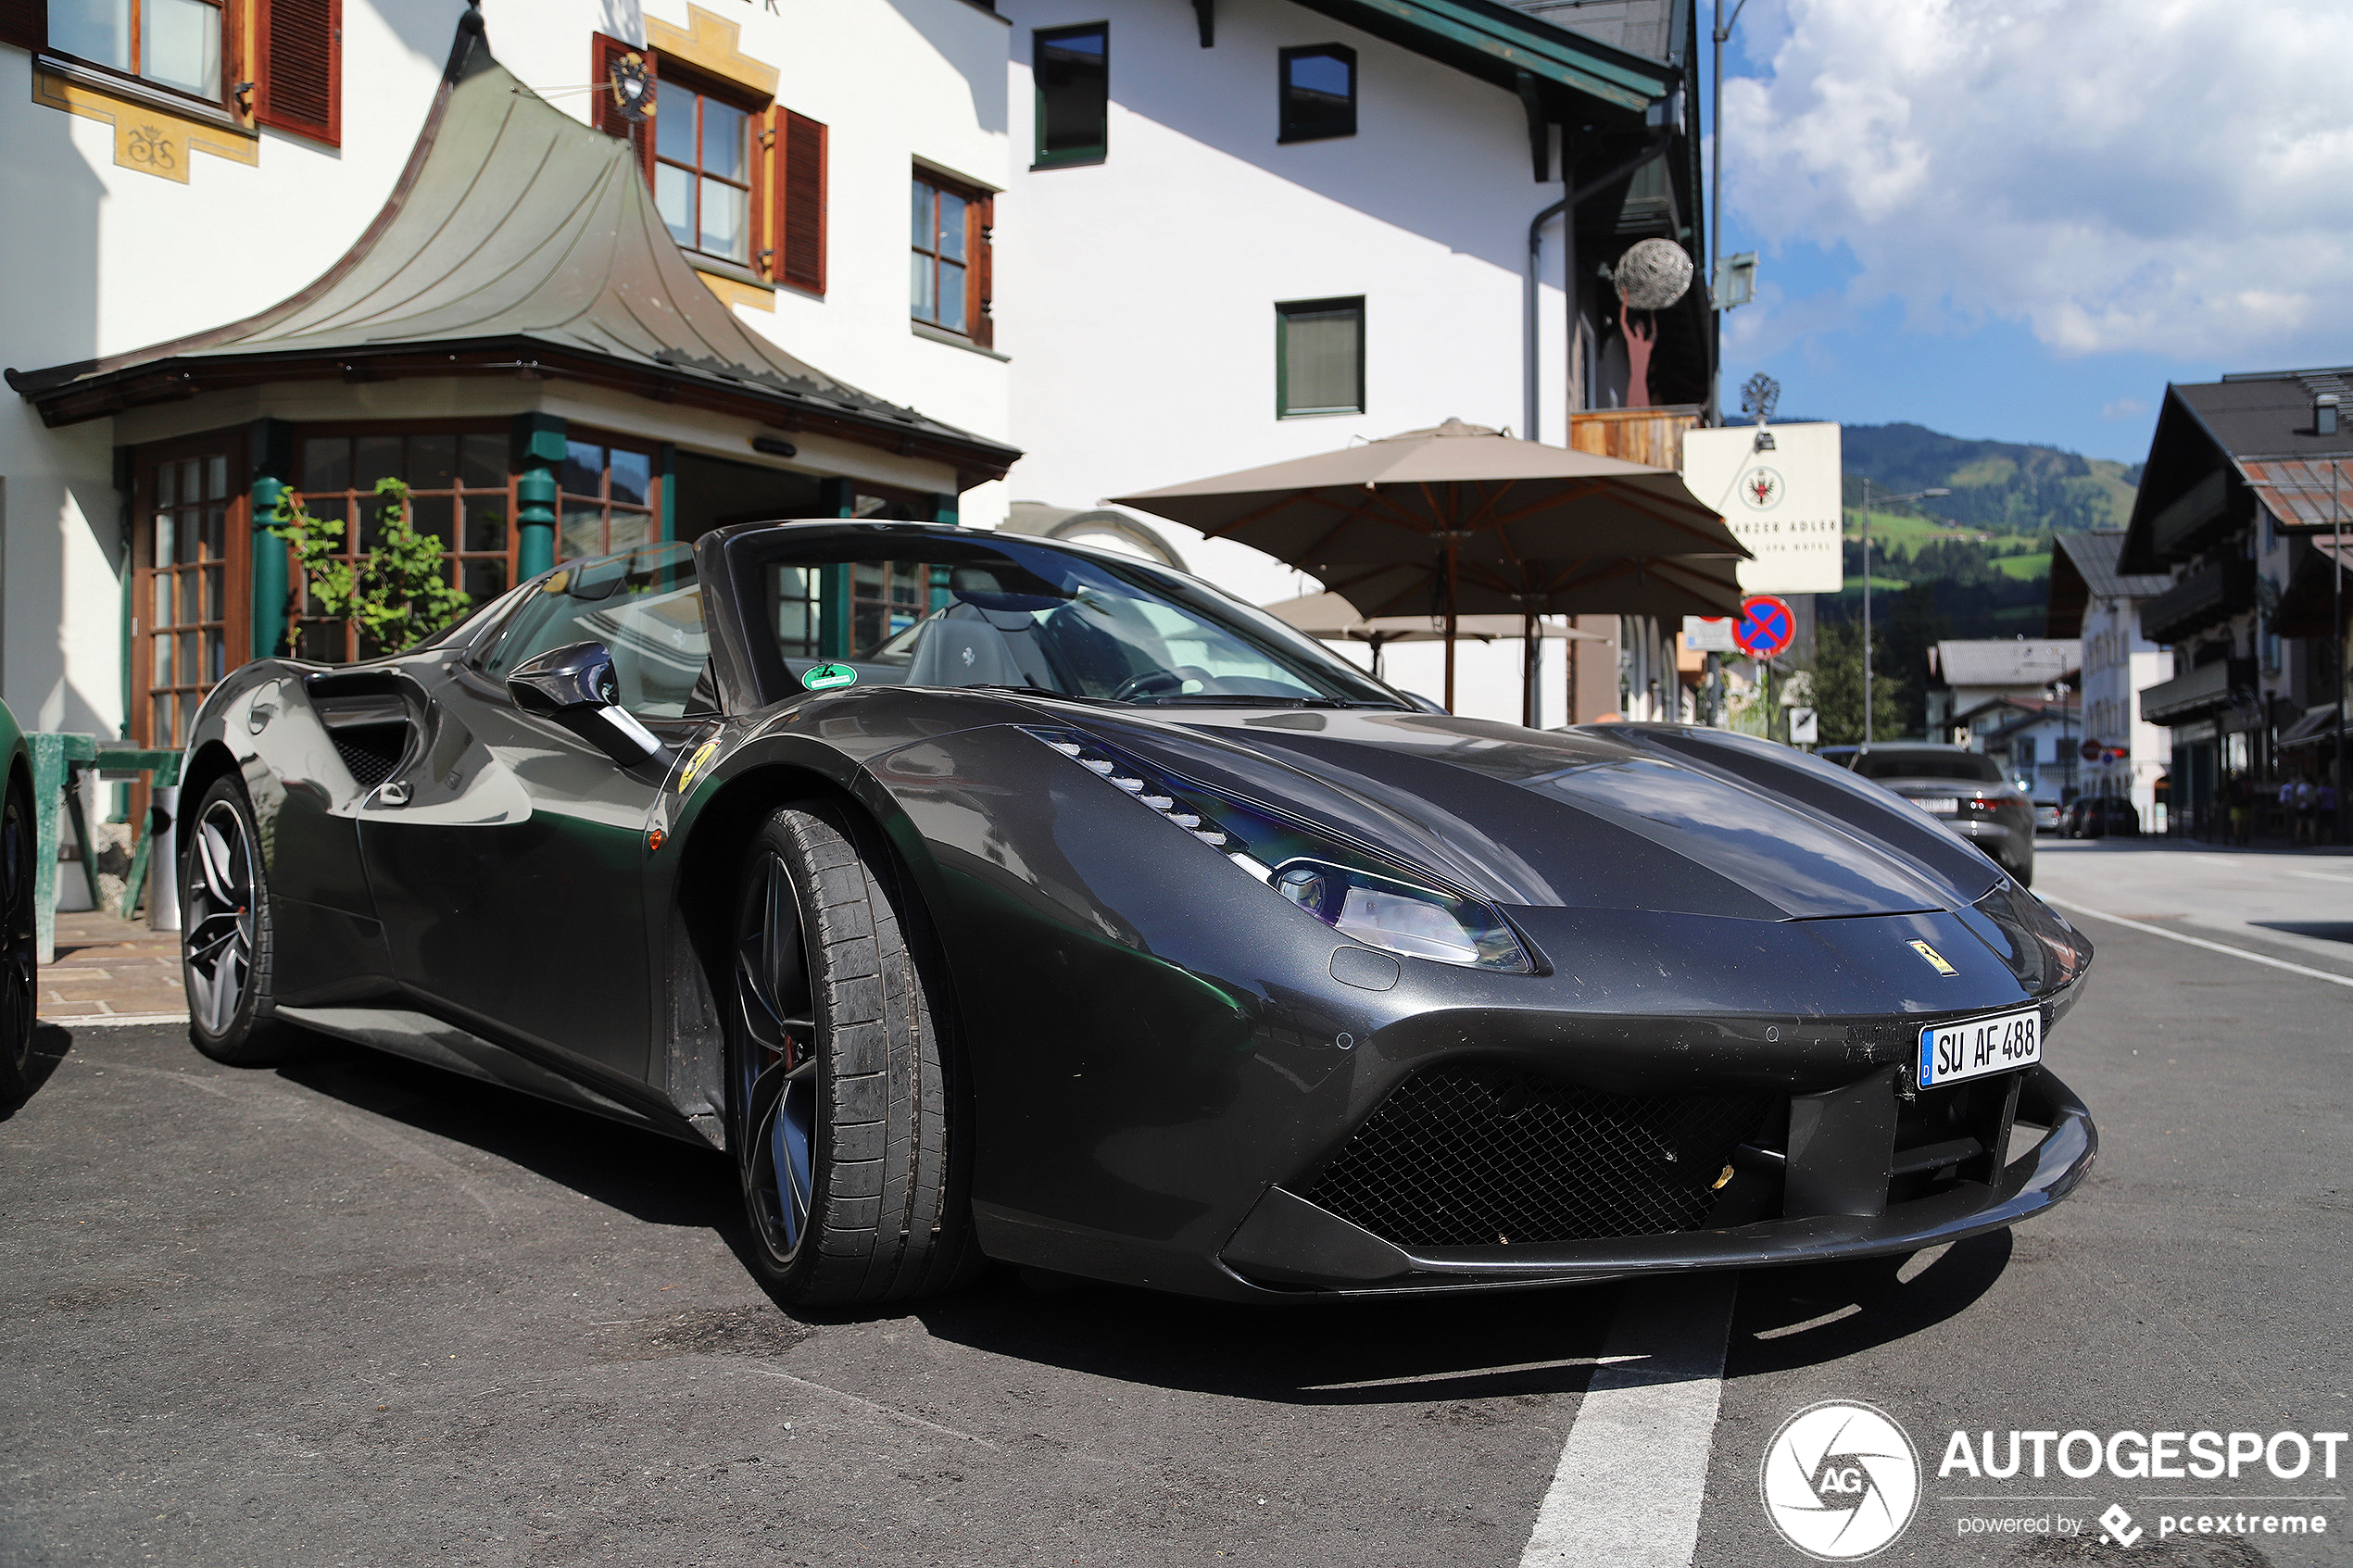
(113, 970)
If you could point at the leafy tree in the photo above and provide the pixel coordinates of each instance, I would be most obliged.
(398, 592)
(1838, 685)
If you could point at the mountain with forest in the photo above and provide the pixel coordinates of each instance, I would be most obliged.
(2001, 487)
(1976, 563)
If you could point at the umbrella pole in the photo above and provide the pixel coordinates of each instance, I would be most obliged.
(1529, 648)
(1450, 621)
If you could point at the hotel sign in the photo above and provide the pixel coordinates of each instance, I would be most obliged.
(1782, 502)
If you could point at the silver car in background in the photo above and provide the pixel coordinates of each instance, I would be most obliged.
(1964, 790)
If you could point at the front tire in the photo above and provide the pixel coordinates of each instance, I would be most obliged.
(225, 931)
(848, 1129)
(17, 1002)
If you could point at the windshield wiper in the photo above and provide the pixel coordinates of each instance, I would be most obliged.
(1033, 691)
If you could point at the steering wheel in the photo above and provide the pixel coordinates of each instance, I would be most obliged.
(1153, 681)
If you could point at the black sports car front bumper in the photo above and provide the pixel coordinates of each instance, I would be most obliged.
(1847, 1187)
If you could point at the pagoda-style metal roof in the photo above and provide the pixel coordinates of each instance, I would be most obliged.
(517, 242)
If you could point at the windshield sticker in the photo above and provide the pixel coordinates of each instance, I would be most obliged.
(825, 677)
(703, 754)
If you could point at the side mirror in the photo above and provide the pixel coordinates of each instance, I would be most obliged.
(575, 686)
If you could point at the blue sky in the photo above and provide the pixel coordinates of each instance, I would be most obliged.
(2020, 219)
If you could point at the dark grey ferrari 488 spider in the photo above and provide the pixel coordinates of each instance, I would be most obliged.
(988, 897)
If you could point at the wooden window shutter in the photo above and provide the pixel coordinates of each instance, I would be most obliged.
(298, 77)
(24, 23)
(800, 202)
(982, 215)
(639, 134)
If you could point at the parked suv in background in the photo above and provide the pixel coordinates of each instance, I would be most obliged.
(1962, 789)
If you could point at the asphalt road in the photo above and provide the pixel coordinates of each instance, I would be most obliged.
(353, 1311)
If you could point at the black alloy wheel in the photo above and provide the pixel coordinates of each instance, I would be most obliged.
(17, 1002)
(847, 1130)
(225, 931)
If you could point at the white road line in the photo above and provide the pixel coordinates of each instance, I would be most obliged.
(115, 1019)
(1634, 1473)
(2346, 979)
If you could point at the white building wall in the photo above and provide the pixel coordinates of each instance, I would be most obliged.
(2119, 664)
(1137, 296)
(101, 259)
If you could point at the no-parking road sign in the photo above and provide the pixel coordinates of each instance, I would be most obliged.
(1766, 627)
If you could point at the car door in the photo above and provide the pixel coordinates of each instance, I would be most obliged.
(511, 870)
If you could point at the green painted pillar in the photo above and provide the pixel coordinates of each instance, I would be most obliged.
(943, 509)
(540, 446)
(271, 443)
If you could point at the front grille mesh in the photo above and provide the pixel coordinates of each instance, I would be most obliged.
(1474, 1157)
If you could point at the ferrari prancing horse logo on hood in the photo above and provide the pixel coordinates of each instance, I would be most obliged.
(1936, 959)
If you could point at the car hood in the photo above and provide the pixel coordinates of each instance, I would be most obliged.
(1652, 818)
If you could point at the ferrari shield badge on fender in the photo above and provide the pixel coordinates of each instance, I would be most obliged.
(694, 767)
(1934, 958)
(825, 677)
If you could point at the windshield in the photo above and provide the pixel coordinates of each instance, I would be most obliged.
(933, 610)
(1965, 767)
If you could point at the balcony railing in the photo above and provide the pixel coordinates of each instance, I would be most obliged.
(2196, 693)
(2205, 598)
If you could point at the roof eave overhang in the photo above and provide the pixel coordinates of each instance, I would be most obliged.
(974, 459)
(1497, 44)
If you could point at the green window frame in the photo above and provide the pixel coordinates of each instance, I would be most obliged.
(1070, 68)
(1317, 368)
(1318, 88)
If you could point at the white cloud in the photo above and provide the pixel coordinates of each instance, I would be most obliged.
(2123, 408)
(2168, 176)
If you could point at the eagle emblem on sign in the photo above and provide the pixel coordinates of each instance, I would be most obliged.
(1761, 489)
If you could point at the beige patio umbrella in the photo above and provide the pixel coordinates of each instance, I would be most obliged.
(1461, 519)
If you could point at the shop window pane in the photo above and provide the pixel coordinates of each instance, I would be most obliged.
(215, 657)
(374, 458)
(583, 531)
(371, 531)
(674, 122)
(866, 628)
(432, 514)
(584, 469)
(486, 523)
(167, 490)
(327, 464)
(628, 530)
(163, 599)
(162, 733)
(482, 462)
(674, 199)
(164, 540)
(633, 474)
(216, 533)
(215, 603)
(163, 660)
(723, 141)
(216, 478)
(1073, 86)
(951, 296)
(951, 226)
(485, 580)
(433, 461)
(179, 45)
(726, 220)
(95, 30)
(184, 536)
(187, 659)
(191, 481)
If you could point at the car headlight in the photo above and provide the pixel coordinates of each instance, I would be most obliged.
(1360, 894)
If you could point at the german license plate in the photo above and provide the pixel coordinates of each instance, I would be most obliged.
(1978, 1047)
